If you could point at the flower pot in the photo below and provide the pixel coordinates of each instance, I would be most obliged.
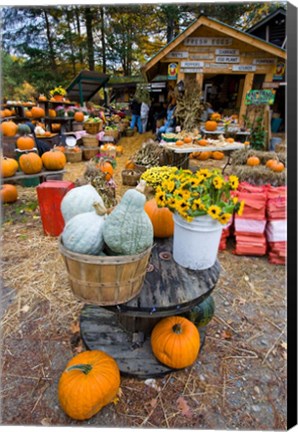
(58, 98)
(195, 244)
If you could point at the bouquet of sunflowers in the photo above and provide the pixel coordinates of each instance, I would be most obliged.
(196, 194)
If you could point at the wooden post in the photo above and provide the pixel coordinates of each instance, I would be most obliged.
(200, 79)
(249, 77)
(180, 76)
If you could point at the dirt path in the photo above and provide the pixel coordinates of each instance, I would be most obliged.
(238, 381)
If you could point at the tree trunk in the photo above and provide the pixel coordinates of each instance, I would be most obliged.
(90, 49)
(103, 43)
(73, 61)
(50, 41)
(77, 13)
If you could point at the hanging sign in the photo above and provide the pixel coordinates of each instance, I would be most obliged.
(158, 85)
(192, 64)
(191, 70)
(260, 97)
(172, 71)
(227, 51)
(225, 59)
(207, 41)
(218, 66)
(279, 72)
(201, 56)
(178, 54)
(244, 68)
(264, 61)
(267, 85)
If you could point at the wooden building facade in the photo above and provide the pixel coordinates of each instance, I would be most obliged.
(224, 60)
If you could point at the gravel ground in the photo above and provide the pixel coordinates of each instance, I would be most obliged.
(237, 382)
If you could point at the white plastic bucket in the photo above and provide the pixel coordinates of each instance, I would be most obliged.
(195, 244)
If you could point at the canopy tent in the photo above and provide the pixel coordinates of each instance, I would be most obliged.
(85, 85)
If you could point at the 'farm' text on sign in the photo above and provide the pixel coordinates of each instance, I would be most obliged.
(244, 68)
(177, 54)
(207, 41)
(192, 64)
(227, 59)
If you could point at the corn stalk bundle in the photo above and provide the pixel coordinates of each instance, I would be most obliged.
(189, 107)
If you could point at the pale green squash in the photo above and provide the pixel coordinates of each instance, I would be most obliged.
(79, 200)
(128, 229)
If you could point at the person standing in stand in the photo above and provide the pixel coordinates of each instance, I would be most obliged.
(135, 108)
(144, 115)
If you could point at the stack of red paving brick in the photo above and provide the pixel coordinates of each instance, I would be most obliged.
(250, 226)
(276, 230)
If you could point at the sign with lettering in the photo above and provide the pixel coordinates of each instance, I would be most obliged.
(267, 85)
(260, 97)
(178, 54)
(218, 66)
(172, 71)
(264, 61)
(244, 68)
(227, 51)
(201, 56)
(207, 41)
(226, 59)
(191, 70)
(158, 85)
(192, 64)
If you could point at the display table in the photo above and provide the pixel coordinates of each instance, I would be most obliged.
(123, 331)
(221, 131)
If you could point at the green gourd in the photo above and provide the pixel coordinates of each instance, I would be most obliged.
(83, 233)
(128, 229)
(23, 129)
(202, 313)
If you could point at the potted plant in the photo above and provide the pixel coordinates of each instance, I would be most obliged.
(58, 93)
(202, 202)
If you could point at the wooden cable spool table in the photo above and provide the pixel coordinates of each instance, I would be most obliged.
(123, 330)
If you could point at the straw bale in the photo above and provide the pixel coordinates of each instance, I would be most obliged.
(239, 157)
(259, 175)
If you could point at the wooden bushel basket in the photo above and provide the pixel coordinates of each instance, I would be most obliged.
(105, 280)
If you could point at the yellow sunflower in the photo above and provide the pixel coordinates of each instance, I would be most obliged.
(218, 182)
(160, 197)
(214, 211)
(241, 207)
(224, 218)
(234, 182)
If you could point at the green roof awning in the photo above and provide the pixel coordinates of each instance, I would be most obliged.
(85, 85)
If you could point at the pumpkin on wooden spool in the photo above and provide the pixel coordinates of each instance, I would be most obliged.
(8, 193)
(37, 112)
(203, 142)
(175, 342)
(90, 381)
(9, 128)
(79, 116)
(253, 161)
(161, 218)
(211, 125)
(217, 155)
(202, 156)
(25, 143)
(9, 167)
(52, 113)
(53, 160)
(30, 163)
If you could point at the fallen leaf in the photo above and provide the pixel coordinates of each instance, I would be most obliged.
(226, 334)
(153, 402)
(46, 421)
(25, 308)
(184, 407)
(284, 345)
(75, 327)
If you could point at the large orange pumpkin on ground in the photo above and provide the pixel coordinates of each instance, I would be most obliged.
(9, 167)
(37, 112)
(8, 193)
(202, 156)
(161, 218)
(25, 143)
(217, 155)
(9, 128)
(30, 163)
(175, 342)
(79, 116)
(253, 161)
(53, 160)
(211, 125)
(90, 381)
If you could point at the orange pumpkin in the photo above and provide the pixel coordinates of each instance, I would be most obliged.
(8, 193)
(253, 161)
(202, 156)
(203, 142)
(130, 164)
(230, 140)
(53, 160)
(60, 148)
(42, 98)
(179, 143)
(246, 143)
(106, 168)
(37, 112)
(161, 218)
(9, 167)
(25, 143)
(119, 150)
(187, 140)
(215, 116)
(211, 125)
(52, 113)
(28, 113)
(175, 342)
(47, 133)
(30, 163)
(90, 381)
(270, 163)
(79, 116)
(7, 112)
(56, 127)
(278, 167)
(217, 155)
(9, 128)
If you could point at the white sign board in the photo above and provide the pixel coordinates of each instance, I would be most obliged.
(191, 70)
(269, 85)
(207, 41)
(201, 56)
(227, 59)
(264, 61)
(227, 51)
(158, 85)
(192, 64)
(244, 68)
(178, 54)
(218, 66)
